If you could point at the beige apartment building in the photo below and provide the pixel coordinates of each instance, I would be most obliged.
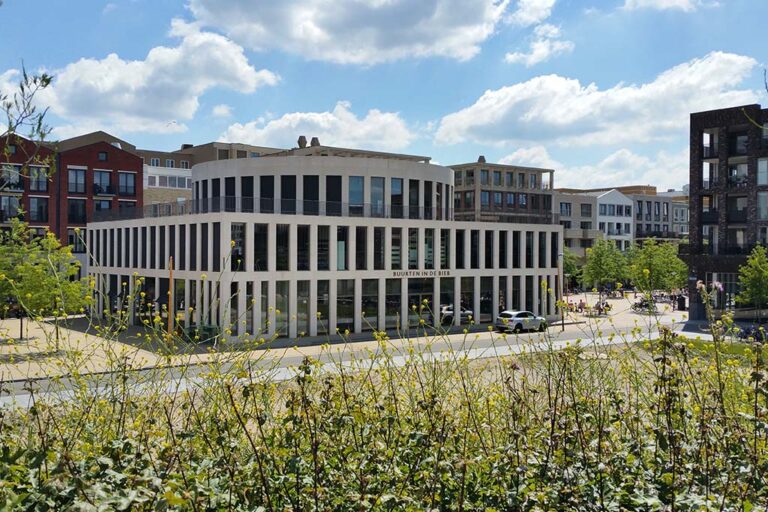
(578, 216)
(503, 193)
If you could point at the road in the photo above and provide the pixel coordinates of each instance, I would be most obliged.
(280, 364)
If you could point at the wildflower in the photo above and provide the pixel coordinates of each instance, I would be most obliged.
(203, 276)
(231, 243)
(717, 285)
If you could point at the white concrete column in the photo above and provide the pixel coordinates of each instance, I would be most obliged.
(369, 249)
(292, 304)
(481, 249)
(467, 251)
(476, 299)
(358, 319)
(345, 196)
(388, 248)
(495, 297)
(405, 307)
(382, 311)
(313, 249)
(457, 301)
(242, 307)
(299, 194)
(434, 305)
(313, 307)
(248, 247)
(332, 298)
(205, 317)
(352, 248)
(496, 247)
(521, 292)
(536, 292)
(293, 236)
(332, 246)
(271, 288)
(508, 296)
(272, 248)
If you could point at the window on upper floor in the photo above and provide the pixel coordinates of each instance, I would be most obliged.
(241, 153)
(170, 162)
(521, 180)
(457, 177)
(152, 181)
(102, 156)
(185, 164)
(76, 181)
(586, 224)
(484, 177)
(510, 179)
(586, 210)
(11, 149)
(485, 199)
(127, 184)
(565, 209)
(222, 154)
(496, 178)
(38, 179)
(602, 209)
(532, 181)
(470, 177)
(154, 162)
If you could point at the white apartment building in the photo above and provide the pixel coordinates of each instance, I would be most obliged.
(614, 217)
(319, 239)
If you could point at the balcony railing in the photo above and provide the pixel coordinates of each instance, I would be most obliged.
(658, 234)
(736, 249)
(709, 152)
(709, 217)
(737, 181)
(103, 190)
(737, 216)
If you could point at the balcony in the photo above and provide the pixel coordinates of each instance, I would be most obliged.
(709, 216)
(659, 234)
(737, 216)
(735, 249)
(127, 191)
(738, 181)
(709, 152)
(103, 190)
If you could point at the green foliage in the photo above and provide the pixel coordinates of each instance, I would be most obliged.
(753, 279)
(38, 273)
(655, 266)
(606, 265)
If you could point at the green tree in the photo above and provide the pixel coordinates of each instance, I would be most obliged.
(654, 266)
(571, 268)
(38, 275)
(605, 265)
(753, 280)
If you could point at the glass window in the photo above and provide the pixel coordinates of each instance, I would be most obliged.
(413, 199)
(282, 247)
(377, 196)
(484, 177)
(470, 177)
(323, 247)
(163, 181)
(282, 306)
(497, 200)
(489, 251)
(378, 248)
(260, 247)
(102, 156)
(185, 164)
(496, 178)
(474, 248)
(586, 210)
(457, 177)
(565, 209)
(510, 179)
(356, 195)
(76, 181)
(38, 179)
(342, 244)
(521, 180)
(429, 248)
(302, 308)
(345, 304)
(323, 305)
(445, 246)
(397, 248)
(522, 200)
(485, 199)
(396, 198)
(302, 247)
(510, 199)
(76, 240)
(101, 204)
(38, 209)
(393, 300)
(127, 184)
(602, 209)
(413, 248)
(762, 205)
(76, 211)
(370, 304)
(170, 162)
(469, 200)
(762, 171)
(152, 181)
(361, 246)
(503, 249)
(459, 248)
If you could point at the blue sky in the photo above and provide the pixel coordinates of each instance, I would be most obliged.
(599, 90)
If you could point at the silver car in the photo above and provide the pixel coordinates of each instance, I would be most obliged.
(518, 321)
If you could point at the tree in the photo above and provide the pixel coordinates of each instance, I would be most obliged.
(605, 265)
(38, 275)
(23, 117)
(753, 280)
(571, 268)
(655, 266)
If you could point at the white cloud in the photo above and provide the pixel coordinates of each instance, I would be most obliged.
(531, 12)
(221, 110)
(562, 110)
(546, 43)
(622, 167)
(340, 127)
(664, 5)
(358, 31)
(109, 8)
(156, 94)
(9, 82)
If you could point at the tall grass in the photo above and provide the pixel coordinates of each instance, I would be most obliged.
(643, 424)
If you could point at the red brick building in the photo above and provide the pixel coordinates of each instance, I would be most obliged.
(25, 182)
(95, 177)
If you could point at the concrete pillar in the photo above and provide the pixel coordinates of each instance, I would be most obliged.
(332, 294)
(272, 248)
(358, 319)
(369, 246)
(457, 301)
(271, 310)
(313, 249)
(495, 298)
(388, 248)
(292, 304)
(476, 300)
(313, 307)
(352, 248)
(382, 311)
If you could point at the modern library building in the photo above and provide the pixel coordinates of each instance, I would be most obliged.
(318, 239)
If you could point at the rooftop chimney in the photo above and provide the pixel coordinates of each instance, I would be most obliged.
(302, 141)
(481, 159)
(314, 142)
(187, 146)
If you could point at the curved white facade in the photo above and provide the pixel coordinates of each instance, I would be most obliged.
(307, 245)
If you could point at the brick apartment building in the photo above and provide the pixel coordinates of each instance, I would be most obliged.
(728, 197)
(24, 183)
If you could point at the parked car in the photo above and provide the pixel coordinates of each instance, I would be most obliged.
(446, 314)
(518, 321)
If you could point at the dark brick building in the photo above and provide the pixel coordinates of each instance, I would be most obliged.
(728, 197)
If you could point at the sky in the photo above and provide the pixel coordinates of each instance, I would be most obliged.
(599, 90)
